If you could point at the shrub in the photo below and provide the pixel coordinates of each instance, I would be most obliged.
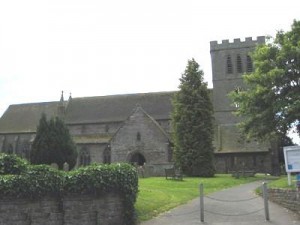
(38, 181)
(12, 164)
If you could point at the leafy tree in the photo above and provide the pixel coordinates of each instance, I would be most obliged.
(271, 103)
(53, 144)
(192, 120)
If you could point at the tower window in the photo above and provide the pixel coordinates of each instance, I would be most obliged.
(249, 64)
(239, 65)
(229, 65)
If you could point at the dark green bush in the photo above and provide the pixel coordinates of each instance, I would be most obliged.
(38, 181)
(96, 179)
(12, 164)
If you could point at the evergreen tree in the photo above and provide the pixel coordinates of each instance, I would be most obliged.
(192, 120)
(53, 144)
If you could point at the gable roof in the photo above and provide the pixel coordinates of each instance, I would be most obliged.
(118, 107)
(151, 119)
(24, 118)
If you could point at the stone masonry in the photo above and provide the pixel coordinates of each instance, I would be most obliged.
(70, 210)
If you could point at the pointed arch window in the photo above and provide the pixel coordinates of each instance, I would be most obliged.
(249, 64)
(84, 157)
(10, 149)
(138, 136)
(239, 64)
(107, 155)
(229, 66)
(26, 150)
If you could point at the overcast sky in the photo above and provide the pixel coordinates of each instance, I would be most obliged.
(94, 47)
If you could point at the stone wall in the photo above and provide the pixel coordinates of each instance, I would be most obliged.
(140, 134)
(289, 199)
(229, 162)
(70, 210)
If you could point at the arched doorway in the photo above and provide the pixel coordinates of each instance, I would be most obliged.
(137, 159)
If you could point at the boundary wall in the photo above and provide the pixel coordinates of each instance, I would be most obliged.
(289, 199)
(69, 210)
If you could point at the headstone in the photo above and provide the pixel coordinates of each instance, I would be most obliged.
(54, 165)
(66, 166)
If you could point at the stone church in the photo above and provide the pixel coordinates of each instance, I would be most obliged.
(136, 128)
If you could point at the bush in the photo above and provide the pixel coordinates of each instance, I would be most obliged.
(38, 181)
(12, 164)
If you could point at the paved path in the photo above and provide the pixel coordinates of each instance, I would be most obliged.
(189, 214)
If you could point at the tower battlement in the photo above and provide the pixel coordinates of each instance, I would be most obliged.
(237, 43)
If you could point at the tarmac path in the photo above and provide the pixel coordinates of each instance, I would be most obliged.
(250, 212)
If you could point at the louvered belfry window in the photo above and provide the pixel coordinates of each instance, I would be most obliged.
(229, 65)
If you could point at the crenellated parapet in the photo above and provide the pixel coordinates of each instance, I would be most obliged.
(237, 43)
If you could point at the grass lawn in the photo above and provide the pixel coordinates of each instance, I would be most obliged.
(282, 182)
(157, 195)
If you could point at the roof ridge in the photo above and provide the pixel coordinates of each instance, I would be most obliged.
(124, 95)
(33, 103)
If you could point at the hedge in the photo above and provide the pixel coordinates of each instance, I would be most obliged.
(12, 164)
(36, 181)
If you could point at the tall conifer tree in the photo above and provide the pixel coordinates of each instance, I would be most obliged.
(192, 120)
(53, 144)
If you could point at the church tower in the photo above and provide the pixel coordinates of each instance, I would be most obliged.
(230, 60)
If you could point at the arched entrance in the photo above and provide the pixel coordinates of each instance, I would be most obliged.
(137, 159)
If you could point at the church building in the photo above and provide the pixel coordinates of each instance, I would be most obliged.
(136, 128)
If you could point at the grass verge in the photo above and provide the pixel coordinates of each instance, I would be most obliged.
(282, 182)
(157, 195)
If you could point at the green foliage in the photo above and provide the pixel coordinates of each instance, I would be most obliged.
(192, 121)
(12, 164)
(282, 183)
(99, 178)
(53, 144)
(38, 181)
(271, 103)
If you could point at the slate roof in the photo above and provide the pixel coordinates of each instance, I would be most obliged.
(118, 107)
(24, 118)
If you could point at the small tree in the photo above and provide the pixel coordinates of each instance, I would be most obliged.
(192, 120)
(53, 144)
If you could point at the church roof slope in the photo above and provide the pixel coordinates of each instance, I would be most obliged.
(24, 118)
(118, 107)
